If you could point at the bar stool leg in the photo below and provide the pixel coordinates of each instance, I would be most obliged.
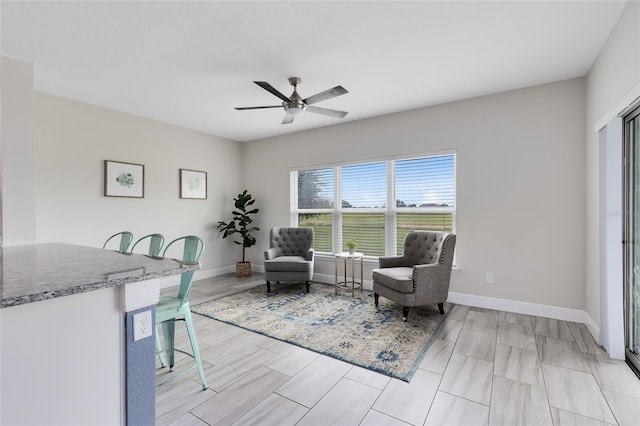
(194, 346)
(159, 351)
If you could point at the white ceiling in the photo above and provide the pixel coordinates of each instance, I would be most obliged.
(190, 63)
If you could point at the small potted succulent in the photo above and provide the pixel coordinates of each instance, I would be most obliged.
(351, 245)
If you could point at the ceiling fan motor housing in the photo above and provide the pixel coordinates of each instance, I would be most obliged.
(296, 106)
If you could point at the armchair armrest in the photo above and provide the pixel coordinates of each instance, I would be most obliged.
(431, 280)
(271, 253)
(392, 261)
(310, 253)
(425, 272)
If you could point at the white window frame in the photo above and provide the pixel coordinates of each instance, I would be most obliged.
(390, 212)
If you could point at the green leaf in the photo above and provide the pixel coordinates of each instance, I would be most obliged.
(241, 221)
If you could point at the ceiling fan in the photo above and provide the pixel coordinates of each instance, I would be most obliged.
(295, 106)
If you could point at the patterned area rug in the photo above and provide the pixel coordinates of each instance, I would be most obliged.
(346, 328)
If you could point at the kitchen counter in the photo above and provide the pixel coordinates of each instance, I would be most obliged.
(33, 273)
(68, 352)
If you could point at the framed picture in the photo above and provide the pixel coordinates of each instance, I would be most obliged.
(193, 184)
(123, 179)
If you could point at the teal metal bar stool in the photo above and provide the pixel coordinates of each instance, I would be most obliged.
(156, 241)
(171, 309)
(125, 241)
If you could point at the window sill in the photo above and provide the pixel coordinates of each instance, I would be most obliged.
(331, 257)
(372, 260)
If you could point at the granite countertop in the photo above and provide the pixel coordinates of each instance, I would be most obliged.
(32, 273)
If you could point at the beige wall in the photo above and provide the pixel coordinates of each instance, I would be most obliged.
(520, 184)
(615, 72)
(17, 160)
(72, 141)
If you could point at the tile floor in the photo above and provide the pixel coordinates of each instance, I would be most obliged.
(486, 367)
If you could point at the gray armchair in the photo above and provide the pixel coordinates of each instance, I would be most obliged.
(290, 256)
(421, 275)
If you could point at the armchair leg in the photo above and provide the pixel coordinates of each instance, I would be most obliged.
(307, 284)
(375, 298)
(405, 313)
(268, 286)
(441, 308)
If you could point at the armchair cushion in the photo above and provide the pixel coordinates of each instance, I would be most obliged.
(394, 262)
(421, 248)
(399, 279)
(291, 241)
(288, 264)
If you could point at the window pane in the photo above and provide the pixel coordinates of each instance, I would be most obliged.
(321, 224)
(425, 182)
(421, 222)
(367, 229)
(424, 190)
(315, 189)
(364, 185)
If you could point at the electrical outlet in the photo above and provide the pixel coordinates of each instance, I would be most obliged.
(142, 325)
(489, 278)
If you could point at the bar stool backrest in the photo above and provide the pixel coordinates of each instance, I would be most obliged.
(192, 252)
(125, 241)
(156, 241)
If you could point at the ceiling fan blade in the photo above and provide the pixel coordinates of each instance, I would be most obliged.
(258, 107)
(288, 119)
(269, 88)
(326, 111)
(327, 94)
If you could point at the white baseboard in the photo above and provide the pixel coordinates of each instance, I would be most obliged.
(331, 279)
(518, 307)
(507, 305)
(319, 278)
(174, 280)
(593, 328)
(546, 311)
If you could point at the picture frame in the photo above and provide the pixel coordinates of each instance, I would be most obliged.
(193, 184)
(123, 179)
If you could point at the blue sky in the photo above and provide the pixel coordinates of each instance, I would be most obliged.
(418, 181)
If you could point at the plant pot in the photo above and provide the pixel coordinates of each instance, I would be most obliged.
(352, 251)
(243, 269)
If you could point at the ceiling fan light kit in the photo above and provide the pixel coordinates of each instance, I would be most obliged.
(295, 110)
(295, 106)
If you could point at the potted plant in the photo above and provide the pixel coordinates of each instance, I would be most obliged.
(241, 224)
(351, 245)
